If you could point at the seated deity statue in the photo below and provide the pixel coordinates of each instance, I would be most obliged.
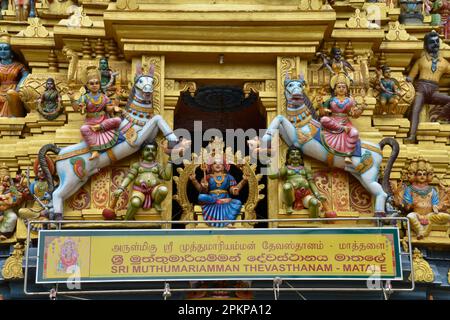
(215, 189)
(39, 190)
(339, 134)
(49, 104)
(422, 200)
(12, 194)
(101, 128)
(108, 77)
(12, 75)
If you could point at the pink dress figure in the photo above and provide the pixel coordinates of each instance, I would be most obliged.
(101, 129)
(339, 133)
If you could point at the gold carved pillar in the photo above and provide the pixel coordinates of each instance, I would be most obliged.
(292, 66)
(158, 63)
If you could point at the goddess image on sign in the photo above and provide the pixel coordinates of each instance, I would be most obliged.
(68, 256)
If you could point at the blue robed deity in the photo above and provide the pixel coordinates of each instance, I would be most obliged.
(217, 204)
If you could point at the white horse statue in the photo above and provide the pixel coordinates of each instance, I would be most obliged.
(302, 130)
(138, 126)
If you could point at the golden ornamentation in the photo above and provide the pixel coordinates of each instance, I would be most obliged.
(12, 269)
(360, 198)
(254, 189)
(111, 155)
(117, 176)
(318, 78)
(288, 65)
(127, 5)
(405, 245)
(72, 56)
(71, 154)
(59, 7)
(340, 190)
(363, 60)
(169, 85)
(310, 5)
(78, 18)
(359, 20)
(190, 86)
(156, 61)
(80, 200)
(256, 86)
(422, 269)
(34, 30)
(365, 164)
(141, 109)
(397, 32)
(271, 85)
(131, 136)
(181, 182)
(100, 189)
(34, 86)
(304, 138)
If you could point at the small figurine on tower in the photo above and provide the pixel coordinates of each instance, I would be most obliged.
(49, 104)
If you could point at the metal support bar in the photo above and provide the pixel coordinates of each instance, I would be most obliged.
(387, 290)
(53, 294)
(166, 293)
(276, 287)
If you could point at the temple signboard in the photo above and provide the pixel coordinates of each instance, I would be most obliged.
(245, 254)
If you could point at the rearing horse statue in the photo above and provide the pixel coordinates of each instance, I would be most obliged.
(138, 126)
(304, 131)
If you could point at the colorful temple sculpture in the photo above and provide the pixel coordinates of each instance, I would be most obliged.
(212, 115)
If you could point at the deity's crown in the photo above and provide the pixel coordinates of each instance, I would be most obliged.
(339, 78)
(92, 73)
(5, 37)
(215, 153)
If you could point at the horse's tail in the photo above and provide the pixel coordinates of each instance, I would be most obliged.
(387, 171)
(43, 163)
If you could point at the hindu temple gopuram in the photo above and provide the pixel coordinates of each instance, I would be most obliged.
(226, 149)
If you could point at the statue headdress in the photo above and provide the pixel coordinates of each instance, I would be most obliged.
(214, 153)
(339, 78)
(5, 37)
(92, 73)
